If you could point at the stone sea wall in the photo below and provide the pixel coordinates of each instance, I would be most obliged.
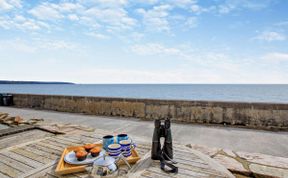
(252, 115)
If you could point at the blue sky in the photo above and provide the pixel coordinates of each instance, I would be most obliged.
(144, 41)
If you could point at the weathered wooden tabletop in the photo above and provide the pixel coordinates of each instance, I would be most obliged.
(35, 153)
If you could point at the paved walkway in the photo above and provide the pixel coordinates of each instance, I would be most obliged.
(238, 139)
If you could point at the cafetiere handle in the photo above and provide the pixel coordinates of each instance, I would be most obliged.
(121, 157)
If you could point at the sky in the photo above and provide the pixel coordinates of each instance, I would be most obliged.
(145, 41)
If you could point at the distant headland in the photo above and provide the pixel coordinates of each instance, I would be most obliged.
(31, 82)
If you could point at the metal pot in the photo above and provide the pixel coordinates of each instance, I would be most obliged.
(104, 165)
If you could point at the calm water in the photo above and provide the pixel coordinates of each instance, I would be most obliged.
(250, 93)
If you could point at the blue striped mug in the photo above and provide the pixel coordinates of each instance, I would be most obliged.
(126, 146)
(114, 150)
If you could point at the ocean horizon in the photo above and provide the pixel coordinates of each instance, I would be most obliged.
(272, 93)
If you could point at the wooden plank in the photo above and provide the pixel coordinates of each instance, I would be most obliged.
(72, 140)
(54, 144)
(30, 155)
(81, 141)
(186, 168)
(86, 135)
(89, 135)
(65, 142)
(142, 164)
(83, 135)
(72, 137)
(145, 176)
(50, 146)
(142, 146)
(92, 140)
(58, 141)
(22, 159)
(9, 171)
(142, 149)
(40, 171)
(195, 164)
(41, 153)
(151, 174)
(195, 160)
(199, 169)
(87, 141)
(3, 175)
(63, 176)
(81, 174)
(141, 152)
(182, 154)
(13, 130)
(55, 152)
(49, 176)
(94, 135)
(68, 130)
(181, 173)
(192, 162)
(193, 168)
(184, 150)
(23, 137)
(15, 164)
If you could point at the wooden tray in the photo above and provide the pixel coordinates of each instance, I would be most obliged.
(65, 168)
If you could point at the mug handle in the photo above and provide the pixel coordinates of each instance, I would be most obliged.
(133, 144)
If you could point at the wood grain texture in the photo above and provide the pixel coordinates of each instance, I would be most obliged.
(40, 171)
(59, 142)
(40, 158)
(23, 137)
(15, 164)
(9, 171)
(31, 155)
(3, 175)
(51, 145)
(41, 153)
(22, 159)
(189, 165)
(49, 150)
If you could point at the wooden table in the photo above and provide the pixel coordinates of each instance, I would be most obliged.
(38, 155)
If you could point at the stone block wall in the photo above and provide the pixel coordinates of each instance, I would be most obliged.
(252, 115)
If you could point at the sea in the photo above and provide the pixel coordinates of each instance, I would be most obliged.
(210, 92)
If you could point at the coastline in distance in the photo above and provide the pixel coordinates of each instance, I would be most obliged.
(31, 82)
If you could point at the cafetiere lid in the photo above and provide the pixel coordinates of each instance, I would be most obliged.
(104, 161)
